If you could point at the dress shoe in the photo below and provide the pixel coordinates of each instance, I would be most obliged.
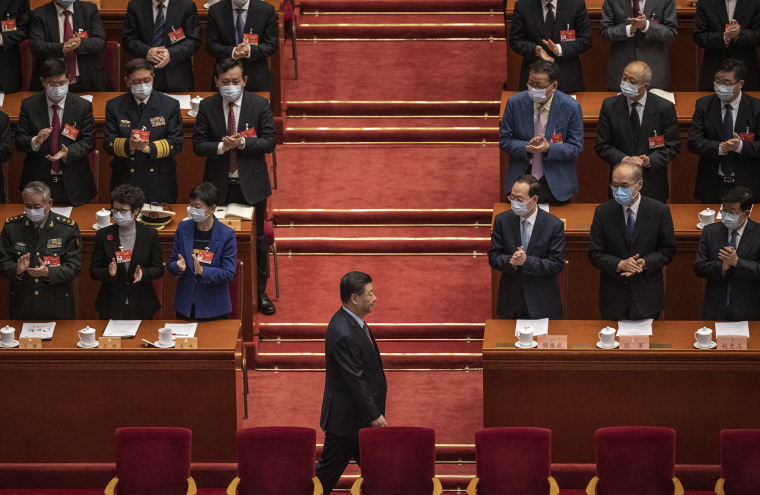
(266, 307)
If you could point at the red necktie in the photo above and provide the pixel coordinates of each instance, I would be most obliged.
(71, 57)
(636, 9)
(231, 130)
(55, 138)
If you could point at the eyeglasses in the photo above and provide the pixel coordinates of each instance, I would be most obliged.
(120, 210)
(515, 198)
(614, 185)
(56, 84)
(737, 212)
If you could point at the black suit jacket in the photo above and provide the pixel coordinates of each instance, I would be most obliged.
(211, 126)
(6, 150)
(77, 176)
(355, 386)
(220, 40)
(528, 30)
(705, 138)
(137, 36)
(615, 141)
(10, 56)
(744, 277)
(709, 25)
(114, 291)
(44, 41)
(653, 240)
(536, 280)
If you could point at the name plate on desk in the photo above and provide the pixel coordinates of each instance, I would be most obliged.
(634, 342)
(110, 343)
(186, 343)
(30, 343)
(552, 341)
(731, 342)
(233, 224)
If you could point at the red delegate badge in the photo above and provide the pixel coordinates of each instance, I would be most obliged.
(251, 39)
(248, 133)
(82, 34)
(656, 142)
(557, 137)
(140, 134)
(567, 35)
(205, 256)
(177, 35)
(8, 25)
(52, 260)
(747, 136)
(70, 131)
(124, 255)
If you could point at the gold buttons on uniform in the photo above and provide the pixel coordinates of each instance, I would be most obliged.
(151, 170)
(36, 280)
(36, 293)
(132, 170)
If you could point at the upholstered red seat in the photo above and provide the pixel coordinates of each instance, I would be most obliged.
(513, 461)
(739, 463)
(152, 461)
(397, 460)
(276, 460)
(635, 460)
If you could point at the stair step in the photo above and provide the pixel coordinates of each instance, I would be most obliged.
(384, 216)
(272, 331)
(391, 108)
(433, 134)
(397, 245)
(401, 5)
(310, 31)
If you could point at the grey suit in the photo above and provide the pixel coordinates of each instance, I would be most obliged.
(650, 47)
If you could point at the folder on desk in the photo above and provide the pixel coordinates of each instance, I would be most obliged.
(42, 331)
(122, 328)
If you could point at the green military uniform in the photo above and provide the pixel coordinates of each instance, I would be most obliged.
(59, 245)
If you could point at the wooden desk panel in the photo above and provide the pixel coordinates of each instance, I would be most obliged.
(63, 404)
(574, 392)
(683, 289)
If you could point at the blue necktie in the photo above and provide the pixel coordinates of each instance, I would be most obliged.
(525, 234)
(158, 27)
(239, 26)
(731, 243)
(727, 163)
(630, 226)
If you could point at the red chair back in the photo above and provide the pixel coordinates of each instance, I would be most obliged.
(635, 460)
(740, 461)
(112, 61)
(26, 64)
(153, 461)
(398, 460)
(94, 159)
(158, 286)
(236, 293)
(274, 460)
(513, 461)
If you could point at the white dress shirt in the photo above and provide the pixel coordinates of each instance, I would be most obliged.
(238, 105)
(36, 147)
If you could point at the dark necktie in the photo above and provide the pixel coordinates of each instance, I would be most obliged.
(158, 27)
(71, 57)
(525, 234)
(549, 22)
(635, 123)
(55, 137)
(731, 243)
(141, 108)
(726, 164)
(231, 130)
(239, 26)
(636, 9)
(630, 225)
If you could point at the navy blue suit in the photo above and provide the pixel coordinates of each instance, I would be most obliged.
(566, 118)
(209, 292)
(535, 282)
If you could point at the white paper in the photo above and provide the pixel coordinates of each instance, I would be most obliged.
(544, 206)
(2, 98)
(671, 97)
(184, 101)
(122, 328)
(87, 97)
(540, 327)
(732, 328)
(573, 97)
(635, 327)
(182, 329)
(64, 211)
(42, 331)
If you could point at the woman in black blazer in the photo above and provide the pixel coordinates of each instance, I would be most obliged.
(127, 258)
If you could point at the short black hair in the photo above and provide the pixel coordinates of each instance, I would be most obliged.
(52, 67)
(128, 194)
(226, 64)
(207, 192)
(741, 195)
(353, 283)
(543, 67)
(732, 65)
(137, 64)
(534, 188)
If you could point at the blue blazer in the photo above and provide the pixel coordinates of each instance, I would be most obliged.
(566, 118)
(209, 292)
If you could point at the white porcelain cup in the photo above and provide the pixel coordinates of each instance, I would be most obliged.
(195, 102)
(707, 216)
(526, 336)
(703, 336)
(7, 335)
(87, 336)
(165, 336)
(103, 217)
(607, 336)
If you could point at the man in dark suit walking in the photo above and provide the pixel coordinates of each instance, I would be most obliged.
(245, 30)
(56, 130)
(167, 33)
(555, 31)
(728, 29)
(72, 30)
(728, 256)
(724, 133)
(234, 130)
(355, 385)
(640, 128)
(527, 245)
(14, 28)
(631, 241)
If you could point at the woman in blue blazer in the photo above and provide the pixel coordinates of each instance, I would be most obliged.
(204, 258)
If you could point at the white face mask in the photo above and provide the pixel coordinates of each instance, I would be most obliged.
(520, 208)
(36, 215)
(537, 95)
(629, 90)
(196, 214)
(57, 93)
(724, 93)
(122, 219)
(231, 93)
(142, 91)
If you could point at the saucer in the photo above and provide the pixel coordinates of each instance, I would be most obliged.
(712, 345)
(191, 113)
(15, 344)
(531, 346)
(613, 346)
(83, 346)
(700, 226)
(98, 227)
(162, 346)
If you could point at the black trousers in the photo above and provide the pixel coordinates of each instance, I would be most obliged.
(235, 195)
(336, 454)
